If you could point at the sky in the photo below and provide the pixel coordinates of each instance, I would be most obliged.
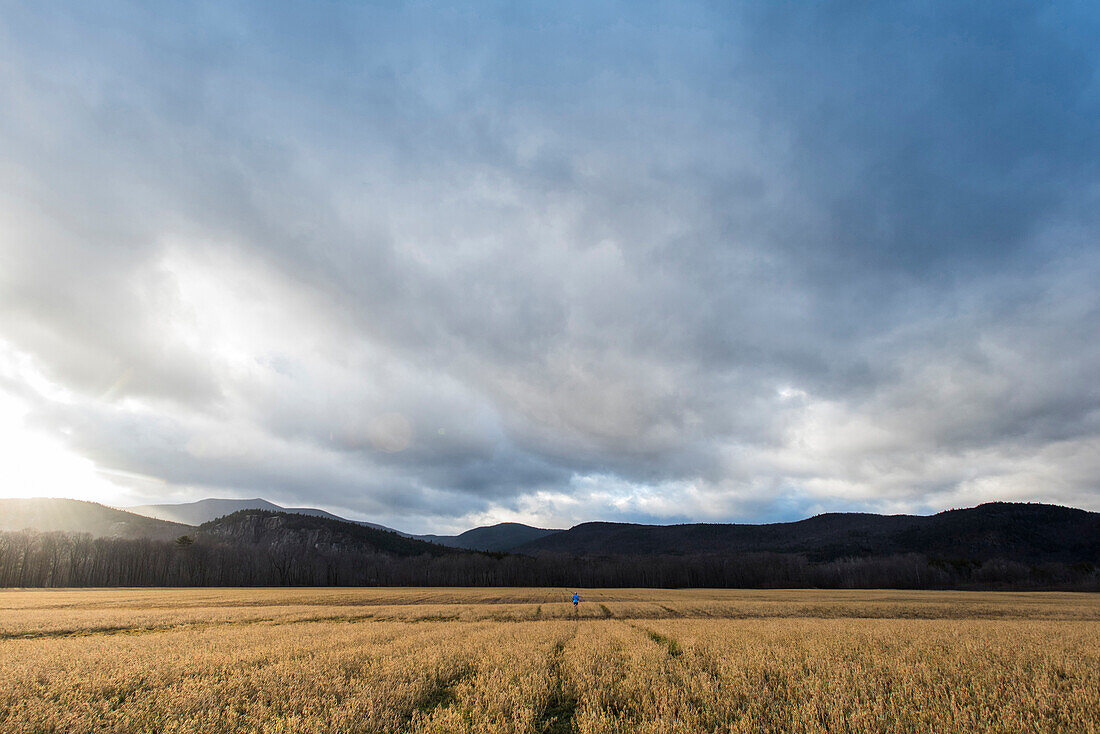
(441, 265)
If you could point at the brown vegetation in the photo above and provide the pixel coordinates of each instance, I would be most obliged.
(519, 660)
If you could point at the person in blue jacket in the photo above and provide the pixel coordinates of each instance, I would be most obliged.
(576, 600)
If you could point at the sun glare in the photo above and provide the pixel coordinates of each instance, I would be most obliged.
(38, 465)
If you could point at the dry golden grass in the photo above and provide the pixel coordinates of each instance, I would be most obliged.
(519, 660)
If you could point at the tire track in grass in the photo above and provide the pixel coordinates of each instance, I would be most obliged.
(197, 625)
(557, 716)
(670, 644)
(674, 649)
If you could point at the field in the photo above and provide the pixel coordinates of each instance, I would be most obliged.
(520, 660)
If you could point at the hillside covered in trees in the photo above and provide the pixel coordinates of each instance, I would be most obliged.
(999, 545)
(1024, 533)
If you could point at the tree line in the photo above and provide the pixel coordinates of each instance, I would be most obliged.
(54, 559)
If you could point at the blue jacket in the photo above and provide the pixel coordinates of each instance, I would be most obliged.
(576, 598)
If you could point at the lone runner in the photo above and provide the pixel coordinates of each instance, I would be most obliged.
(576, 600)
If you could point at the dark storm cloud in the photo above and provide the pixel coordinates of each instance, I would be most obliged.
(434, 265)
(934, 133)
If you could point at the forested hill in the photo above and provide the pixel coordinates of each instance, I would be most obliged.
(500, 537)
(308, 533)
(196, 513)
(48, 514)
(991, 546)
(1030, 533)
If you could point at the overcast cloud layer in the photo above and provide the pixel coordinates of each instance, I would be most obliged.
(440, 266)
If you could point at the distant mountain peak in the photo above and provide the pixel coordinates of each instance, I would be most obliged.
(211, 508)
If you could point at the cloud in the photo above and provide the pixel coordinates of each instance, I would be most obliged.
(435, 266)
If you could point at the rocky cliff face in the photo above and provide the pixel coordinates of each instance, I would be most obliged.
(276, 532)
(282, 531)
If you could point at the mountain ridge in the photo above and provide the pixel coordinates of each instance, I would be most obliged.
(1015, 531)
(211, 508)
(1024, 532)
(49, 514)
(499, 538)
(997, 545)
(287, 531)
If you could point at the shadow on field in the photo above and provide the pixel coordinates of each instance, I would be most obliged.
(443, 693)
